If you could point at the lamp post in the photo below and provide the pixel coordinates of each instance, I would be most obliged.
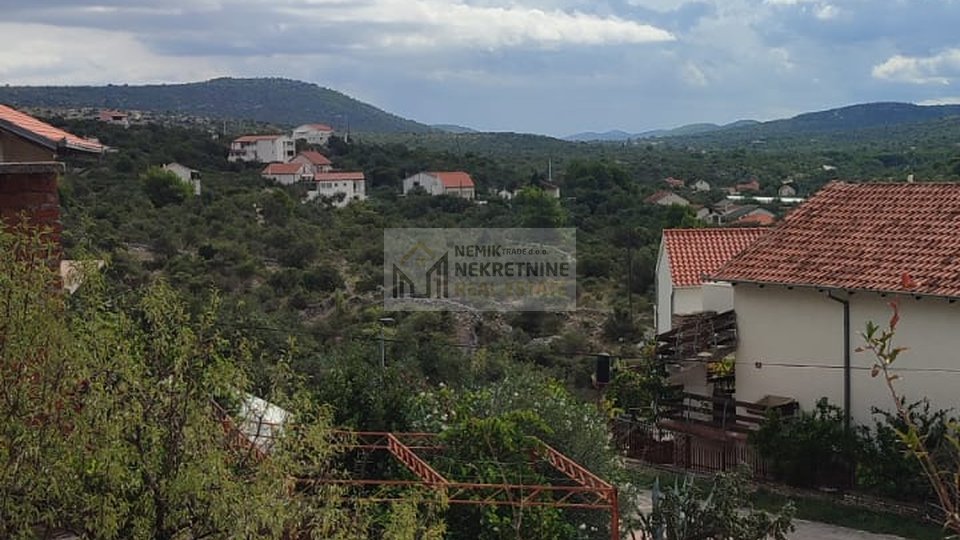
(384, 321)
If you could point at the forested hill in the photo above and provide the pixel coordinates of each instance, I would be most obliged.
(277, 101)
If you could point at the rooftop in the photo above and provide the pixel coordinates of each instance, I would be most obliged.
(695, 253)
(453, 179)
(315, 157)
(880, 237)
(42, 133)
(283, 168)
(335, 176)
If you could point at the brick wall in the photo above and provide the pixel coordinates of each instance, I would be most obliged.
(29, 190)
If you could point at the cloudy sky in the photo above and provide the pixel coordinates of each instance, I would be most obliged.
(544, 66)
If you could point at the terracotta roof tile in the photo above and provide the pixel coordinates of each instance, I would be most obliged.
(694, 253)
(43, 133)
(862, 236)
(315, 157)
(338, 176)
(284, 168)
(453, 179)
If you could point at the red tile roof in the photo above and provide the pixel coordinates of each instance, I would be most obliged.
(338, 176)
(314, 157)
(660, 195)
(42, 133)
(694, 253)
(453, 179)
(876, 237)
(318, 127)
(284, 168)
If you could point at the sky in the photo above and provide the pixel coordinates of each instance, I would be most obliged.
(554, 67)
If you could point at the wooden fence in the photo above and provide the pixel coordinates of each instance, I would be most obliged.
(683, 449)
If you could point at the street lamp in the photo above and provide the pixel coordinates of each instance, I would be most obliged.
(384, 321)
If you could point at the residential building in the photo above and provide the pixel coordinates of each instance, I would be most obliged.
(29, 171)
(550, 189)
(315, 134)
(315, 161)
(262, 149)
(805, 291)
(701, 185)
(287, 173)
(351, 185)
(752, 186)
(118, 118)
(456, 183)
(674, 183)
(188, 176)
(685, 257)
(787, 189)
(666, 198)
(749, 215)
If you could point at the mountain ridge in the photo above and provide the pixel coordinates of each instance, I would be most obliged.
(272, 100)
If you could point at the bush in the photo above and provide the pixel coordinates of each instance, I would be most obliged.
(811, 450)
(163, 187)
(887, 467)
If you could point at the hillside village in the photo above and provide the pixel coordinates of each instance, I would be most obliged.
(712, 316)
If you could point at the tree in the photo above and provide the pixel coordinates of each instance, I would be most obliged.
(110, 428)
(942, 472)
(163, 187)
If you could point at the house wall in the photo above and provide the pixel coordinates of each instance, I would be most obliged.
(803, 326)
(465, 192)
(311, 135)
(717, 296)
(16, 149)
(664, 310)
(29, 190)
(430, 184)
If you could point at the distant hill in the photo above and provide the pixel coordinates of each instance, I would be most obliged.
(277, 101)
(689, 129)
(453, 128)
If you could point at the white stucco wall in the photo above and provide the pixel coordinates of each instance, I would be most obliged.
(717, 296)
(803, 327)
(664, 290)
(687, 300)
(430, 184)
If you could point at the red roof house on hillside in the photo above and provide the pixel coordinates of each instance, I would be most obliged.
(317, 162)
(287, 173)
(806, 289)
(456, 183)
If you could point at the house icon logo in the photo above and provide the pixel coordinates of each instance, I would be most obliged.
(420, 273)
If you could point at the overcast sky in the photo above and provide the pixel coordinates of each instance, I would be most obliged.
(543, 66)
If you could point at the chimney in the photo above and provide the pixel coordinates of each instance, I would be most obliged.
(910, 178)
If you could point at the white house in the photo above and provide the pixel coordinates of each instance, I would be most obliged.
(316, 134)
(186, 175)
(787, 189)
(685, 257)
(666, 198)
(352, 185)
(262, 149)
(701, 185)
(287, 173)
(315, 161)
(456, 183)
(804, 291)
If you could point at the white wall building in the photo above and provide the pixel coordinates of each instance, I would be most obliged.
(456, 183)
(342, 187)
(186, 175)
(262, 149)
(315, 134)
(855, 247)
(685, 257)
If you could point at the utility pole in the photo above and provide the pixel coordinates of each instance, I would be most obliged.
(384, 321)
